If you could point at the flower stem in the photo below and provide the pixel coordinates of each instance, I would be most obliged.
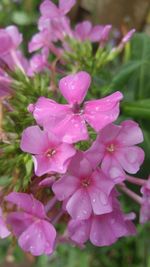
(135, 180)
(131, 194)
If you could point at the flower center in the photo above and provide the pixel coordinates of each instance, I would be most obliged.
(110, 148)
(85, 182)
(50, 153)
(77, 109)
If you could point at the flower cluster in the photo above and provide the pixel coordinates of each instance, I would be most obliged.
(85, 182)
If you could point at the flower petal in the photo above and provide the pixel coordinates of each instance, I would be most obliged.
(65, 6)
(74, 86)
(38, 239)
(130, 158)
(130, 133)
(79, 205)
(79, 231)
(65, 187)
(71, 129)
(34, 140)
(99, 113)
(27, 202)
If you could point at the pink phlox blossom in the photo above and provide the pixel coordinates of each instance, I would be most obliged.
(68, 121)
(50, 155)
(85, 31)
(115, 149)
(102, 230)
(4, 232)
(30, 225)
(83, 189)
(145, 205)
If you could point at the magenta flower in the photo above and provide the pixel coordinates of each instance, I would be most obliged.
(68, 121)
(145, 205)
(115, 148)
(84, 31)
(10, 39)
(4, 232)
(35, 234)
(102, 230)
(50, 155)
(84, 190)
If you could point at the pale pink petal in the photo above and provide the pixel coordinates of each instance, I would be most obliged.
(99, 113)
(95, 153)
(15, 35)
(34, 140)
(38, 239)
(48, 113)
(79, 230)
(79, 205)
(4, 232)
(36, 42)
(62, 157)
(96, 33)
(71, 129)
(65, 6)
(130, 158)
(5, 41)
(80, 166)
(74, 86)
(130, 133)
(19, 222)
(83, 29)
(108, 134)
(111, 167)
(65, 187)
(27, 202)
(101, 203)
(49, 9)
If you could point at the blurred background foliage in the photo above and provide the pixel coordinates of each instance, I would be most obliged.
(130, 74)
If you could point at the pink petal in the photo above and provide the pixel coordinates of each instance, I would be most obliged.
(4, 232)
(100, 202)
(49, 9)
(80, 166)
(5, 41)
(130, 158)
(65, 6)
(15, 35)
(111, 167)
(38, 239)
(71, 129)
(63, 156)
(74, 86)
(79, 206)
(108, 134)
(130, 133)
(65, 187)
(83, 29)
(79, 230)
(99, 113)
(96, 33)
(34, 140)
(95, 153)
(19, 222)
(27, 202)
(48, 113)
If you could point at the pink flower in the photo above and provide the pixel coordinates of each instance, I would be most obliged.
(145, 205)
(10, 39)
(4, 232)
(85, 31)
(102, 230)
(50, 155)
(84, 190)
(68, 121)
(115, 148)
(35, 234)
